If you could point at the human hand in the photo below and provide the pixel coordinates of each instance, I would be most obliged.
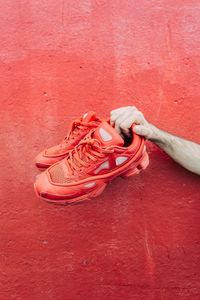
(123, 118)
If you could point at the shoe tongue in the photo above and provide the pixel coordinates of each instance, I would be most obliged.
(89, 116)
(107, 135)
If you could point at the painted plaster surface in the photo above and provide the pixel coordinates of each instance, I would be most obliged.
(141, 238)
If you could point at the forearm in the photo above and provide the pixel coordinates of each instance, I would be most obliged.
(184, 152)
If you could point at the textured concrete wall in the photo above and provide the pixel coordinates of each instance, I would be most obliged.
(140, 239)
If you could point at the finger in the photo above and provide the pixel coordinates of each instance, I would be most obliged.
(114, 114)
(120, 120)
(142, 130)
(111, 122)
(120, 109)
(127, 123)
(126, 132)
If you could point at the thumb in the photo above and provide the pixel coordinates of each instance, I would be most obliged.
(142, 130)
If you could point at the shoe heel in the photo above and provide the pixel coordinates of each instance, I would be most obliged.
(135, 169)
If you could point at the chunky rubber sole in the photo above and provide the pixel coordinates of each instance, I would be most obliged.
(79, 199)
(134, 169)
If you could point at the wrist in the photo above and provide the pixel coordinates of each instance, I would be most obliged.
(156, 135)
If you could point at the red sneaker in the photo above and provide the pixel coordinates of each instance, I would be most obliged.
(91, 165)
(78, 130)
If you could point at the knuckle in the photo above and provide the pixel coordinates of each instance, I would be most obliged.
(138, 114)
(112, 118)
(112, 114)
(123, 126)
(117, 123)
(141, 117)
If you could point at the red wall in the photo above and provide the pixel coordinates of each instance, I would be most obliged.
(141, 238)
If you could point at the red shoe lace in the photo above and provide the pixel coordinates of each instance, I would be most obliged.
(77, 127)
(86, 152)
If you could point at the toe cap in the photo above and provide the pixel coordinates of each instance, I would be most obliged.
(44, 188)
(43, 161)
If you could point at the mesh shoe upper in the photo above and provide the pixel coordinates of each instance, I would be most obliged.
(78, 130)
(99, 153)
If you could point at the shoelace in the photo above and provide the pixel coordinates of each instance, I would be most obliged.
(78, 126)
(89, 150)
